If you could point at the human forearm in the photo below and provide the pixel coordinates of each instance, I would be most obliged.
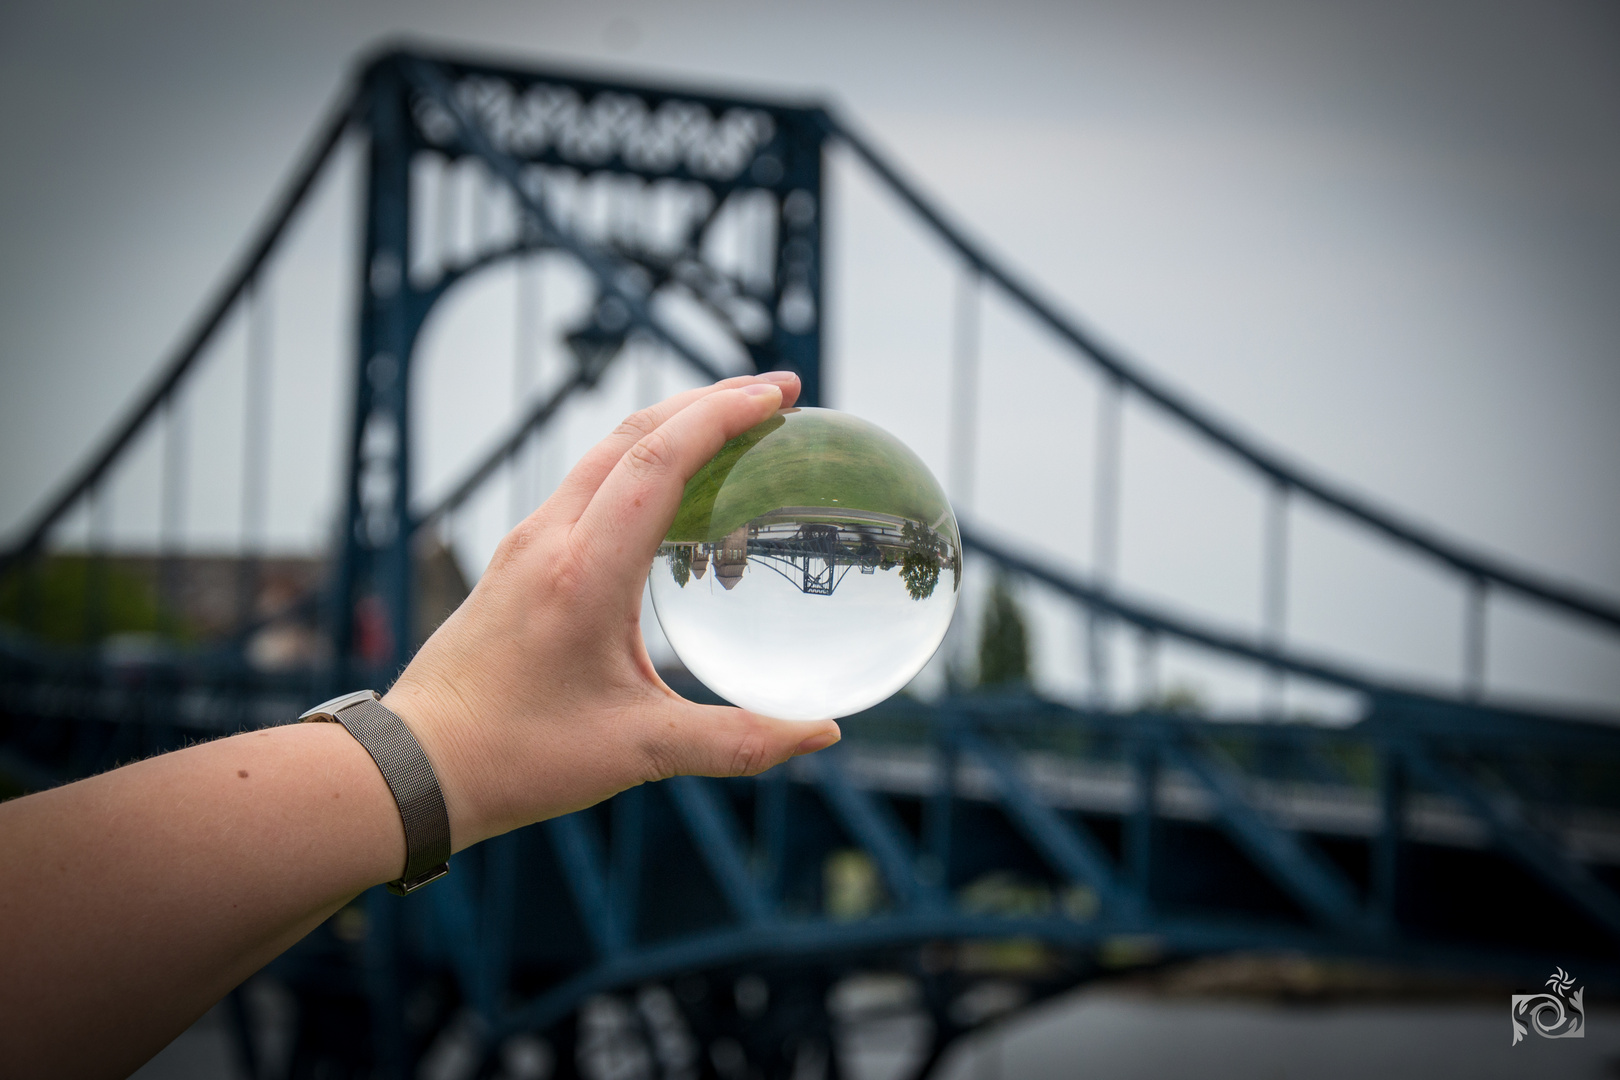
(141, 896)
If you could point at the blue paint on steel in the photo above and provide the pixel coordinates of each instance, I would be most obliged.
(719, 842)
(1069, 845)
(625, 857)
(580, 853)
(453, 910)
(1542, 854)
(873, 827)
(497, 922)
(1316, 883)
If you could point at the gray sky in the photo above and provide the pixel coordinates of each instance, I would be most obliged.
(1383, 237)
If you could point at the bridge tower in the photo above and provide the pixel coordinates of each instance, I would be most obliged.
(526, 132)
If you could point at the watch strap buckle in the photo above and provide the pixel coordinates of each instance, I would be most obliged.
(402, 887)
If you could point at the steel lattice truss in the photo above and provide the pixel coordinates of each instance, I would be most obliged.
(951, 862)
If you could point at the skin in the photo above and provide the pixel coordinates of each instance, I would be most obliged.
(136, 899)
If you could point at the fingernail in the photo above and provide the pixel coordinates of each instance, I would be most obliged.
(818, 742)
(756, 389)
(779, 376)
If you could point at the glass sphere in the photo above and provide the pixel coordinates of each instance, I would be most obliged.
(812, 568)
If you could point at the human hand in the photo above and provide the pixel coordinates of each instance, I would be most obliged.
(536, 697)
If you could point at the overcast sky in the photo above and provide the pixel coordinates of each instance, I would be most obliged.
(1382, 237)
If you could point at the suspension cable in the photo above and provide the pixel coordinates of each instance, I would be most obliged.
(1471, 563)
(293, 194)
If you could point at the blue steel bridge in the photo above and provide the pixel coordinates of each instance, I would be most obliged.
(813, 548)
(954, 860)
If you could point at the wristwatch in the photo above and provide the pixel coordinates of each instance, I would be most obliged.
(410, 777)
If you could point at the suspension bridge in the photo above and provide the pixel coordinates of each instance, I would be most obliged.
(956, 859)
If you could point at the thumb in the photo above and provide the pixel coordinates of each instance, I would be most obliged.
(716, 740)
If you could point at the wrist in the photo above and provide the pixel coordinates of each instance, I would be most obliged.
(442, 725)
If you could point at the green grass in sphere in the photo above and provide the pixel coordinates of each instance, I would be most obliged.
(807, 458)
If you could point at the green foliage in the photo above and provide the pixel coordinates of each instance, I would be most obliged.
(809, 458)
(1003, 639)
(851, 886)
(919, 564)
(1180, 697)
(680, 563)
(76, 600)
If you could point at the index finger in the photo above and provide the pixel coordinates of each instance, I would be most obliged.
(574, 494)
(632, 509)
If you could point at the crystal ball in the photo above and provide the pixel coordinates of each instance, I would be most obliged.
(812, 569)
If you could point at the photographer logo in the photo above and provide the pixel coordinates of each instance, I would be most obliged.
(1560, 1013)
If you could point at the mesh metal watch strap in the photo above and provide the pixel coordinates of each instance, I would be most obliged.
(409, 776)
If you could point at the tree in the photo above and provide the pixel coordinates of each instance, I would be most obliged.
(1004, 638)
(919, 565)
(680, 563)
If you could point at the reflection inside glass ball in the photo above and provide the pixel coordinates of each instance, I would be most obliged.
(812, 569)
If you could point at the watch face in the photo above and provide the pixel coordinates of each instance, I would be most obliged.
(338, 704)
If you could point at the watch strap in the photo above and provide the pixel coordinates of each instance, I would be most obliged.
(410, 777)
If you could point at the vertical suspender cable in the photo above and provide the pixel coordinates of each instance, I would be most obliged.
(633, 226)
(621, 227)
(172, 513)
(1148, 689)
(964, 420)
(649, 388)
(95, 571)
(444, 225)
(255, 448)
(1274, 601)
(965, 388)
(31, 592)
(525, 480)
(1104, 528)
(1474, 639)
(766, 209)
(478, 186)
